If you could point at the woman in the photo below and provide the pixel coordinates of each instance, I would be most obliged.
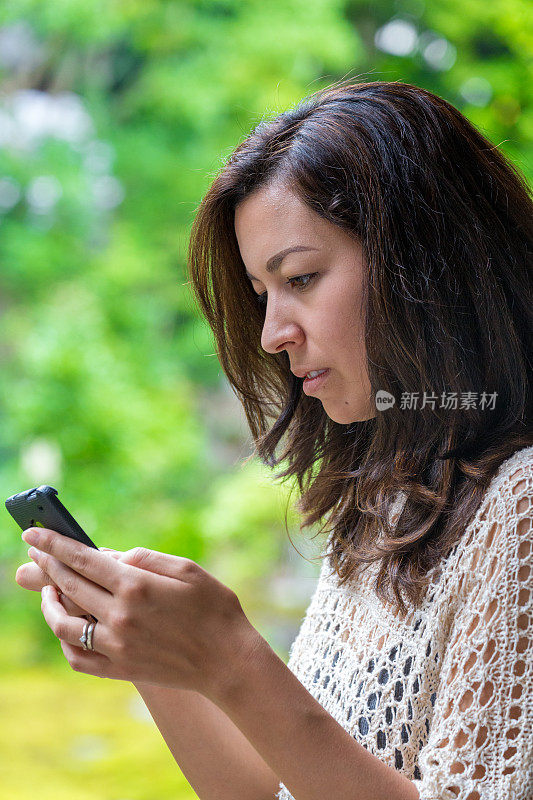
(373, 235)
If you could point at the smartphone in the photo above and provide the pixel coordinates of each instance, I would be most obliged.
(42, 508)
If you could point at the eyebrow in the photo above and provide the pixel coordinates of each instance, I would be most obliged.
(274, 263)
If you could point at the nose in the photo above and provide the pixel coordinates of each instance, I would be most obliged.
(279, 329)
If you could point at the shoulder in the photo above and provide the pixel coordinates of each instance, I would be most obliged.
(520, 463)
(510, 493)
(503, 517)
(501, 533)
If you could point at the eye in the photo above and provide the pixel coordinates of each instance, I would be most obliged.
(262, 298)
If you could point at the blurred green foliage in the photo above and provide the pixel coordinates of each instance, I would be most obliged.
(114, 118)
(66, 736)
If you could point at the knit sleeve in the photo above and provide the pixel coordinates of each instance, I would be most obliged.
(480, 744)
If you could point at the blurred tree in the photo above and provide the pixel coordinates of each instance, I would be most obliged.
(115, 116)
(114, 119)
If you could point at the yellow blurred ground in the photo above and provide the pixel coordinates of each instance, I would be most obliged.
(70, 736)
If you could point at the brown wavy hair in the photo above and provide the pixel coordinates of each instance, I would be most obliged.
(445, 223)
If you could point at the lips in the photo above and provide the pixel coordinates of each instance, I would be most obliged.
(302, 373)
(313, 385)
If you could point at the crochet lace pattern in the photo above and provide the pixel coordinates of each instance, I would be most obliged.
(444, 694)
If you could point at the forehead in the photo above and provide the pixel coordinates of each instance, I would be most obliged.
(274, 218)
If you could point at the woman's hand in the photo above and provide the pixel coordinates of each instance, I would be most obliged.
(162, 619)
(31, 576)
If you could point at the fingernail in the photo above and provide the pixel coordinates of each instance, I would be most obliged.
(34, 553)
(30, 536)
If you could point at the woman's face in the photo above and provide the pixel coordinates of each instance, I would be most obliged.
(317, 320)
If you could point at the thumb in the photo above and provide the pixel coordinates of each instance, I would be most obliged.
(113, 553)
(154, 561)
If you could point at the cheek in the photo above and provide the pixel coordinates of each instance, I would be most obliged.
(345, 325)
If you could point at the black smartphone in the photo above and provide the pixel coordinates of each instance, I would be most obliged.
(42, 508)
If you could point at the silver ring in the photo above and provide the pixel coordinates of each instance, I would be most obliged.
(83, 637)
(86, 638)
(90, 630)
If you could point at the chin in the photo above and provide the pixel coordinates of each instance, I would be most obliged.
(346, 417)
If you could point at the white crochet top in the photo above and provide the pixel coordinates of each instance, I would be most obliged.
(444, 695)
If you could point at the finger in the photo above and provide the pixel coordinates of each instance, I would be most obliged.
(113, 553)
(30, 576)
(81, 591)
(93, 564)
(84, 661)
(72, 608)
(68, 629)
(162, 563)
